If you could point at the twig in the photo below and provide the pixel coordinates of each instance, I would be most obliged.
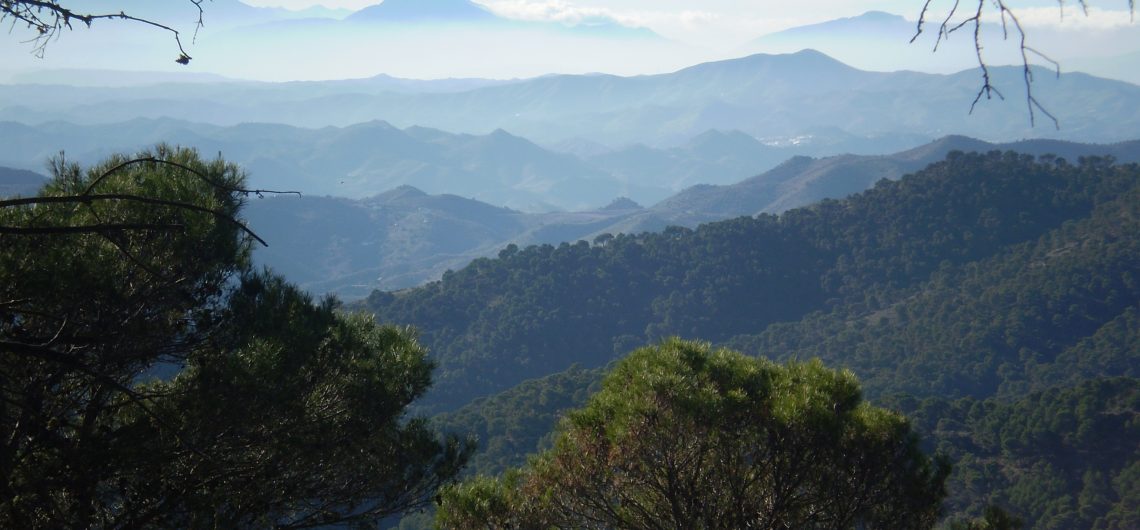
(123, 250)
(85, 229)
(48, 18)
(188, 169)
(50, 355)
(84, 199)
(1008, 18)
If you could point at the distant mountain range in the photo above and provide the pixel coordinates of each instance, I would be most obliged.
(878, 41)
(883, 42)
(368, 158)
(406, 237)
(405, 11)
(216, 14)
(805, 180)
(773, 97)
(415, 38)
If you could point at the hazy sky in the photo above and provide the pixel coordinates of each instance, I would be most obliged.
(694, 30)
(720, 23)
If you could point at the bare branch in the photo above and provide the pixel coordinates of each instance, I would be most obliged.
(47, 18)
(921, 21)
(1008, 20)
(188, 169)
(86, 229)
(45, 353)
(111, 238)
(85, 199)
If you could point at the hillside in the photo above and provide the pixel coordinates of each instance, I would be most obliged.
(400, 238)
(528, 307)
(992, 298)
(19, 182)
(1031, 316)
(403, 239)
(1065, 457)
(391, 241)
(803, 180)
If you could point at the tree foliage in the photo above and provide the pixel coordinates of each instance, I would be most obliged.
(150, 378)
(1056, 310)
(1062, 458)
(684, 436)
(513, 424)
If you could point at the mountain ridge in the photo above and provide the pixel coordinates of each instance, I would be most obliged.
(744, 275)
(482, 230)
(764, 96)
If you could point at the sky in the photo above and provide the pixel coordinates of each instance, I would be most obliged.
(720, 23)
(693, 30)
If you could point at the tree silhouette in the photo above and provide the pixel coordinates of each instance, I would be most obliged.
(970, 16)
(48, 18)
(150, 378)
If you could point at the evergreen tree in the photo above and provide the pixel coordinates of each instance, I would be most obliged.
(684, 436)
(150, 378)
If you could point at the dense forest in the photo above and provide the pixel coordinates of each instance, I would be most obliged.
(878, 254)
(993, 298)
(1060, 458)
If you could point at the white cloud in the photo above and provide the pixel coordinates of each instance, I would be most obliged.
(302, 4)
(1073, 18)
(557, 11)
(696, 26)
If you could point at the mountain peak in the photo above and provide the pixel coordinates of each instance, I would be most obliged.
(400, 193)
(424, 11)
(880, 16)
(805, 58)
(937, 149)
(871, 21)
(621, 203)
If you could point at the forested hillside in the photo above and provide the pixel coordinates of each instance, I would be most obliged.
(1062, 458)
(855, 264)
(19, 182)
(993, 298)
(1058, 309)
(406, 237)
